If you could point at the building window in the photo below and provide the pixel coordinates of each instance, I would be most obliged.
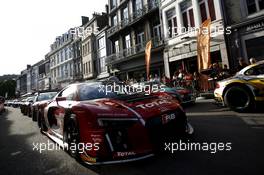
(254, 6)
(187, 14)
(102, 64)
(207, 10)
(66, 53)
(62, 55)
(101, 43)
(89, 66)
(116, 46)
(88, 48)
(157, 32)
(137, 5)
(140, 38)
(114, 20)
(113, 3)
(171, 22)
(125, 13)
(127, 41)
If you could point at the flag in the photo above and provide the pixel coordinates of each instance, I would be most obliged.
(147, 57)
(203, 46)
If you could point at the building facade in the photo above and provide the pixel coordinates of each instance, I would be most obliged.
(91, 29)
(61, 61)
(44, 77)
(102, 50)
(246, 18)
(181, 19)
(132, 24)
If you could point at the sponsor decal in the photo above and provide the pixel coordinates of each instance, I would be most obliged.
(125, 154)
(87, 158)
(153, 104)
(166, 118)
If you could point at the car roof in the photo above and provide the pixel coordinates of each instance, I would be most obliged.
(251, 66)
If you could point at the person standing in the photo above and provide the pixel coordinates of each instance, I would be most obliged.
(241, 64)
(252, 60)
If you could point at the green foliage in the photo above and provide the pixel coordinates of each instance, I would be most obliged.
(9, 87)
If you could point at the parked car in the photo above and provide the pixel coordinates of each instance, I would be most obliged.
(40, 101)
(244, 91)
(2, 106)
(112, 127)
(25, 105)
(183, 95)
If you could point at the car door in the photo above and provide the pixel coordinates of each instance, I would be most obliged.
(63, 104)
(255, 77)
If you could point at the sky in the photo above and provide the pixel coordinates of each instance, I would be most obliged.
(29, 27)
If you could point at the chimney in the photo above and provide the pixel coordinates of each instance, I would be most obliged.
(106, 9)
(85, 20)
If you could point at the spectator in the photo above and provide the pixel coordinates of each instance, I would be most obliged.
(252, 60)
(241, 64)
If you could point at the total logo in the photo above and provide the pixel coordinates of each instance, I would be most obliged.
(153, 104)
(124, 154)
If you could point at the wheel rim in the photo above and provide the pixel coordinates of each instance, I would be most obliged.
(72, 136)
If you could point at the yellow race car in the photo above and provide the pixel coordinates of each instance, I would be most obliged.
(244, 91)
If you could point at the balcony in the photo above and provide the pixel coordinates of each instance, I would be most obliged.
(132, 51)
(133, 18)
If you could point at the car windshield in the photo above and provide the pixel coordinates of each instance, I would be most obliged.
(30, 98)
(46, 96)
(100, 90)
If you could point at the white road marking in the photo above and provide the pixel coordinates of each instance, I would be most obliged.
(16, 153)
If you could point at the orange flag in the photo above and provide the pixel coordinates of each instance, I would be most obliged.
(147, 57)
(203, 46)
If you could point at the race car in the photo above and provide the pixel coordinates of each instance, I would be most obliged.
(40, 101)
(2, 102)
(244, 91)
(182, 94)
(103, 127)
(25, 105)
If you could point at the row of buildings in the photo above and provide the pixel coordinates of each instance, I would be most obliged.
(113, 42)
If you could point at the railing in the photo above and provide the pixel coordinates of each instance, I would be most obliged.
(135, 16)
(138, 48)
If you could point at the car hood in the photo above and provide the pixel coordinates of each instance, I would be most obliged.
(134, 106)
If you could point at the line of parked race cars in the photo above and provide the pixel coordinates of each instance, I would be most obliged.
(101, 128)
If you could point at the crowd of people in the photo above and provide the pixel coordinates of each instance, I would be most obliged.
(203, 81)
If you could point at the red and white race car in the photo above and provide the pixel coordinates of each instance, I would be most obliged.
(100, 127)
(2, 106)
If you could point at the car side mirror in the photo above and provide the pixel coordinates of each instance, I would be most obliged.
(60, 99)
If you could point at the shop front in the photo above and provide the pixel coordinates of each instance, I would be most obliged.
(247, 40)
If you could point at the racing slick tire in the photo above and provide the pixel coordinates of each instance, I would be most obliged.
(239, 99)
(34, 116)
(42, 125)
(72, 136)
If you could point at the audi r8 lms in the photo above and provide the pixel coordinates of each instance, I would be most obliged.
(183, 95)
(40, 102)
(244, 91)
(99, 128)
(2, 102)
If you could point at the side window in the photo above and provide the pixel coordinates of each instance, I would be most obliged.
(69, 93)
(258, 70)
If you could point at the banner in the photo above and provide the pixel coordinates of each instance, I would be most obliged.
(147, 57)
(203, 46)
